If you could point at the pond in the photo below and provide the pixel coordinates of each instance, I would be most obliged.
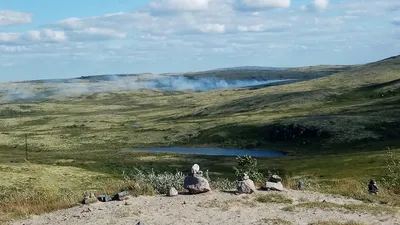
(213, 151)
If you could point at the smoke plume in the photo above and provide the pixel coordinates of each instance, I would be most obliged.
(51, 89)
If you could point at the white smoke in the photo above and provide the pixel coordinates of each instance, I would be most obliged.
(50, 89)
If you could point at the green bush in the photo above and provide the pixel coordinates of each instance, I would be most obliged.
(223, 184)
(248, 165)
(160, 182)
(392, 178)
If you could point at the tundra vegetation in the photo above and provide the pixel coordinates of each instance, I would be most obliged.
(335, 126)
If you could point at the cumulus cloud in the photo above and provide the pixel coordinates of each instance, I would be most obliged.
(212, 28)
(8, 17)
(179, 5)
(316, 6)
(45, 35)
(93, 33)
(255, 5)
(8, 37)
(265, 27)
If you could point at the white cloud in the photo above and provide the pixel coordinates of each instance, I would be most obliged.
(8, 37)
(93, 32)
(8, 17)
(316, 6)
(45, 35)
(179, 5)
(254, 28)
(212, 28)
(396, 21)
(321, 4)
(255, 5)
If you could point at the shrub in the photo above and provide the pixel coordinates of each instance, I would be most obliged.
(392, 178)
(160, 182)
(248, 165)
(223, 184)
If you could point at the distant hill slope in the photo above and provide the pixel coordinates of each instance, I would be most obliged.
(353, 77)
(244, 73)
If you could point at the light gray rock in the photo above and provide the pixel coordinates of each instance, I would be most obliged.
(172, 192)
(196, 184)
(275, 178)
(246, 187)
(245, 176)
(274, 186)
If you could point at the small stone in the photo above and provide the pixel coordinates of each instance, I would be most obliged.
(121, 196)
(104, 198)
(274, 186)
(275, 179)
(172, 192)
(88, 200)
(300, 185)
(140, 223)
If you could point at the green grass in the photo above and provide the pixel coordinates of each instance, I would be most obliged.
(364, 208)
(336, 131)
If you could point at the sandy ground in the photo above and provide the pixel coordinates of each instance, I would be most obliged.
(210, 208)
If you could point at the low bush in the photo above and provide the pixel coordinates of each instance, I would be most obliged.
(161, 183)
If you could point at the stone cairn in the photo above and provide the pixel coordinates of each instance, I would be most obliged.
(274, 183)
(195, 183)
(245, 185)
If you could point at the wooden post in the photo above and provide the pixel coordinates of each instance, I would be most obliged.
(26, 147)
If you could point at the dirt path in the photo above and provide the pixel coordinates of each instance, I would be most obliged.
(212, 208)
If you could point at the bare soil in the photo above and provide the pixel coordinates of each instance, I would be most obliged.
(213, 208)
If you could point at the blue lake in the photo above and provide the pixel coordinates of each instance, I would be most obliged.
(213, 151)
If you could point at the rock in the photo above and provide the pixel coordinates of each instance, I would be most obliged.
(274, 186)
(196, 184)
(121, 196)
(172, 192)
(89, 200)
(245, 176)
(372, 187)
(140, 223)
(195, 169)
(300, 185)
(275, 179)
(246, 187)
(104, 198)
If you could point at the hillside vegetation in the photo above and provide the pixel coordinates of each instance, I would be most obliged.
(336, 130)
(301, 73)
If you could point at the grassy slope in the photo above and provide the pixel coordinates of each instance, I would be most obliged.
(359, 108)
(302, 73)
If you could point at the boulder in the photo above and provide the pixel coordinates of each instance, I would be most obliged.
(274, 186)
(196, 184)
(121, 196)
(246, 187)
(172, 192)
(104, 198)
(275, 179)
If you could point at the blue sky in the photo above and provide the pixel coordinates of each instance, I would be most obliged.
(60, 39)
